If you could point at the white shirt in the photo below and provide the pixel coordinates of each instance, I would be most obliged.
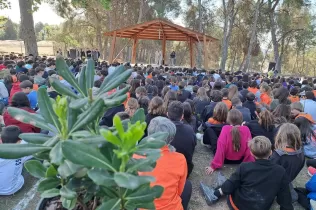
(3, 91)
(11, 179)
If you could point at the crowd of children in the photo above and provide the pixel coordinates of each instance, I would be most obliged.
(267, 125)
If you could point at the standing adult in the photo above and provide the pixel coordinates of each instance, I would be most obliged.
(173, 58)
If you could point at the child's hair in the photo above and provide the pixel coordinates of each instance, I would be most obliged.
(288, 136)
(250, 96)
(305, 127)
(123, 115)
(266, 119)
(144, 102)
(260, 147)
(97, 83)
(195, 88)
(26, 84)
(187, 112)
(235, 119)
(220, 112)
(141, 91)
(10, 134)
(132, 106)
(225, 92)
(23, 77)
(156, 106)
(201, 94)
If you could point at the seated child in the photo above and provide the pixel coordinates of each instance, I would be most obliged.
(27, 88)
(251, 105)
(232, 144)
(225, 98)
(289, 153)
(254, 185)
(10, 169)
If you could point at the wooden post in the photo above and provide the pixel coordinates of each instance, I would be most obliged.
(191, 53)
(205, 53)
(112, 51)
(164, 50)
(134, 51)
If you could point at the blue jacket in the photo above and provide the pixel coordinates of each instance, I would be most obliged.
(309, 107)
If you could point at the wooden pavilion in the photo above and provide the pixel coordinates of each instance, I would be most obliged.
(161, 30)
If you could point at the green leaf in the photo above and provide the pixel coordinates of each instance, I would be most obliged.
(145, 194)
(68, 204)
(82, 80)
(35, 138)
(109, 191)
(75, 183)
(42, 155)
(101, 177)
(90, 71)
(119, 92)
(154, 141)
(118, 71)
(93, 140)
(14, 151)
(50, 193)
(56, 155)
(67, 193)
(85, 155)
(113, 204)
(51, 171)
(138, 116)
(89, 115)
(29, 118)
(110, 137)
(63, 71)
(130, 181)
(48, 183)
(79, 103)
(116, 82)
(52, 142)
(142, 165)
(81, 134)
(46, 108)
(109, 103)
(119, 126)
(72, 116)
(62, 89)
(35, 168)
(68, 168)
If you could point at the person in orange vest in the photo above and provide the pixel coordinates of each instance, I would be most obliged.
(265, 94)
(225, 98)
(294, 95)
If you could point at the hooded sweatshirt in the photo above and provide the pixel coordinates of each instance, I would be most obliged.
(15, 88)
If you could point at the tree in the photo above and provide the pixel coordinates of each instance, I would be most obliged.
(38, 27)
(27, 27)
(10, 31)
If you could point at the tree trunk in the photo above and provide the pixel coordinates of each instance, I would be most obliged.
(141, 8)
(199, 45)
(27, 27)
(273, 33)
(253, 36)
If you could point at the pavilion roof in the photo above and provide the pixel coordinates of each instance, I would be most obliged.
(157, 29)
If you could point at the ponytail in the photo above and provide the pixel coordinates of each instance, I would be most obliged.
(236, 138)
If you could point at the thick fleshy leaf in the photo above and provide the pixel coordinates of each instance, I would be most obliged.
(50, 193)
(62, 89)
(110, 137)
(117, 81)
(130, 181)
(48, 183)
(46, 108)
(78, 103)
(101, 177)
(72, 116)
(113, 204)
(14, 151)
(118, 71)
(93, 140)
(85, 155)
(52, 142)
(56, 154)
(82, 80)
(142, 165)
(63, 71)
(89, 115)
(68, 168)
(29, 118)
(75, 183)
(35, 138)
(35, 168)
(138, 116)
(119, 92)
(81, 134)
(67, 193)
(90, 72)
(42, 155)
(68, 203)
(145, 194)
(51, 171)
(109, 103)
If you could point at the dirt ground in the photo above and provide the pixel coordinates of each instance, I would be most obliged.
(201, 159)
(44, 47)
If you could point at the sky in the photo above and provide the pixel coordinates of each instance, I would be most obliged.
(45, 14)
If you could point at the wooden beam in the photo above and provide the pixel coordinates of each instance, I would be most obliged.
(134, 49)
(191, 52)
(164, 50)
(112, 51)
(205, 53)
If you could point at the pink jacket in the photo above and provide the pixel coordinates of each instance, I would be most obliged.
(225, 148)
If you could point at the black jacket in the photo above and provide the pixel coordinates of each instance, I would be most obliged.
(211, 134)
(200, 106)
(107, 118)
(243, 95)
(245, 113)
(293, 162)
(185, 142)
(254, 186)
(208, 111)
(149, 117)
(183, 95)
(252, 108)
(257, 130)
